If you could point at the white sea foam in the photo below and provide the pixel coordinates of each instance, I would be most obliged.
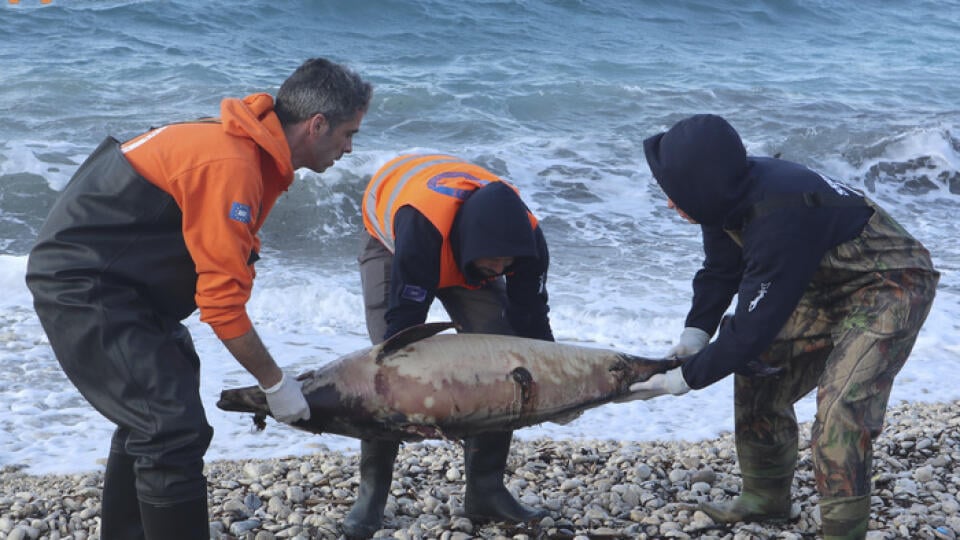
(316, 319)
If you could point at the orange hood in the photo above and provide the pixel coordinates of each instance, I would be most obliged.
(253, 117)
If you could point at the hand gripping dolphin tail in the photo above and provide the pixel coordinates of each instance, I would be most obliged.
(420, 384)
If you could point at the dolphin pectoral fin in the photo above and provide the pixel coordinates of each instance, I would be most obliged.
(410, 335)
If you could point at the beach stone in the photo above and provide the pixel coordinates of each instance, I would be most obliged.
(904, 487)
(707, 476)
(923, 474)
(18, 533)
(255, 471)
(216, 529)
(571, 484)
(295, 494)
(950, 506)
(643, 471)
(700, 488)
(252, 501)
(452, 474)
(241, 527)
(701, 520)
(944, 533)
(237, 507)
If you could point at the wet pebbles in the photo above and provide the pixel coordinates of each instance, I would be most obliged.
(594, 490)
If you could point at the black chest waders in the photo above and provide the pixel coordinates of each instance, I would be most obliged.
(111, 279)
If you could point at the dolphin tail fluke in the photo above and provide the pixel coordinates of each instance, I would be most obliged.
(638, 368)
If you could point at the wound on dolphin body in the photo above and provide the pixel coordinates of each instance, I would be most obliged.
(524, 378)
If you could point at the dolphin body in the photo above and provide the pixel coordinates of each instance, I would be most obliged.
(418, 385)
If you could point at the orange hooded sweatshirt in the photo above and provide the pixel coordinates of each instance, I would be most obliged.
(225, 176)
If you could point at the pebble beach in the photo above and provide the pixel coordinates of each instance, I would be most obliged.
(593, 489)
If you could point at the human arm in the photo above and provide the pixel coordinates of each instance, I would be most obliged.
(717, 281)
(284, 397)
(223, 206)
(528, 306)
(252, 354)
(778, 265)
(220, 202)
(781, 255)
(713, 288)
(415, 273)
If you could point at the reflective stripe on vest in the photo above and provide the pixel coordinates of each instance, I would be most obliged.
(380, 224)
(436, 185)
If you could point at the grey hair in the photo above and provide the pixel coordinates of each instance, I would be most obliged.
(324, 87)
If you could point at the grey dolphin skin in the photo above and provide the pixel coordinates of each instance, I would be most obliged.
(423, 385)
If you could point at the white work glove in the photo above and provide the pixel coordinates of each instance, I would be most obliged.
(692, 340)
(671, 382)
(286, 400)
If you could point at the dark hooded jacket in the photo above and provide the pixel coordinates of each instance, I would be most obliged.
(766, 224)
(492, 222)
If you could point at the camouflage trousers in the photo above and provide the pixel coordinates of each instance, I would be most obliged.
(848, 341)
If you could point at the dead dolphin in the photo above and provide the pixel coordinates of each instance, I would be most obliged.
(418, 385)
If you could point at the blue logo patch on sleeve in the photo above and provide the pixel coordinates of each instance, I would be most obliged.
(240, 212)
(412, 292)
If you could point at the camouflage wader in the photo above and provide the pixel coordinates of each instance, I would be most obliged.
(849, 337)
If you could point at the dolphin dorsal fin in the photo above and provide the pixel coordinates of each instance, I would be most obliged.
(410, 335)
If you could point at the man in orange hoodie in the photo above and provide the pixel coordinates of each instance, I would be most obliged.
(150, 230)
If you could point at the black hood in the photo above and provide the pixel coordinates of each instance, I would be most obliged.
(493, 222)
(701, 164)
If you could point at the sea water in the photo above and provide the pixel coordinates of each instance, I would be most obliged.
(554, 95)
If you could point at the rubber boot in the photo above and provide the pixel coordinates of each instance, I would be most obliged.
(376, 474)
(187, 520)
(760, 499)
(486, 498)
(120, 510)
(845, 518)
(767, 479)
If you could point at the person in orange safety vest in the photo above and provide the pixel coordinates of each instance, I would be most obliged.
(441, 227)
(145, 233)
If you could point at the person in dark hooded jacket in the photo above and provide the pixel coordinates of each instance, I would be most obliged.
(832, 293)
(440, 227)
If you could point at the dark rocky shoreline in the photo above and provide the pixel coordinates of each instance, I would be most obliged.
(594, 490)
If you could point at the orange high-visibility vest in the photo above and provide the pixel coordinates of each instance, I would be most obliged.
(436, 185)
